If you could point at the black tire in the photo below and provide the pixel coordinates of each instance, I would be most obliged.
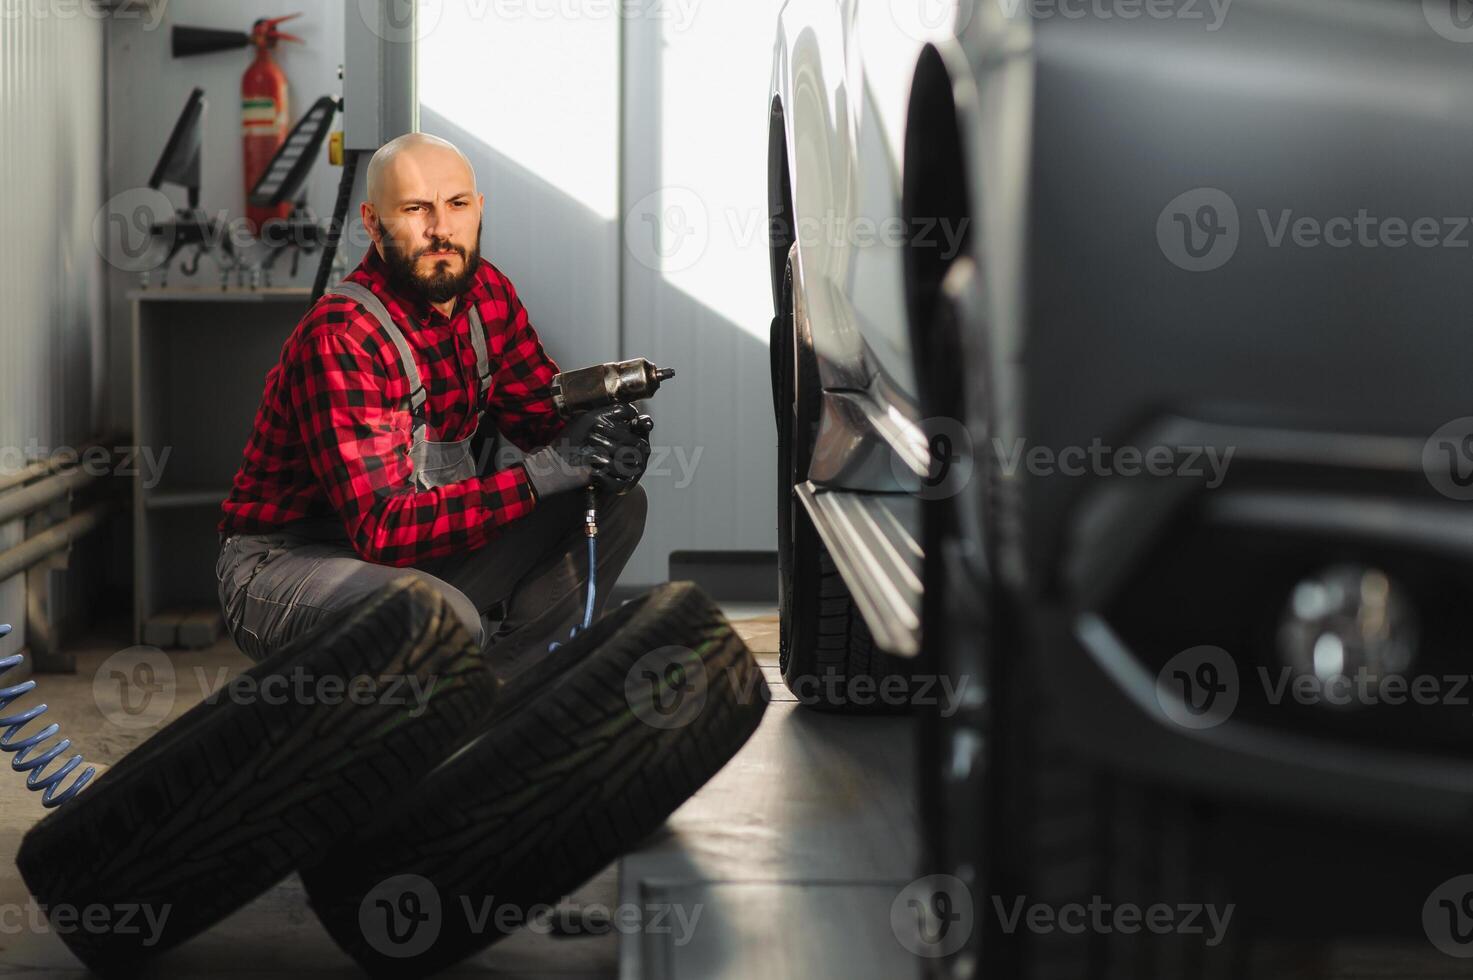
(230, 797)
(962, 626)
(574, 775)
(1068, 832)
(823, 642)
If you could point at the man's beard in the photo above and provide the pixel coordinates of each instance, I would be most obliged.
(439, 286)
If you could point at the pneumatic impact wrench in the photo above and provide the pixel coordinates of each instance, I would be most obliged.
(589, 388)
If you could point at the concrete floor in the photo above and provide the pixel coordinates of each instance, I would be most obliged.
(762, 813)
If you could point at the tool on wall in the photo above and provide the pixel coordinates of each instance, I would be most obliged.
(179, 164)
(263, 97)
(282, 183)
(35, 765)
(599, 386)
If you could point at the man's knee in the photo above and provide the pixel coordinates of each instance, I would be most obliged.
(630, 511)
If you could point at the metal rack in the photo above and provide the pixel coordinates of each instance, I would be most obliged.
(200, 359)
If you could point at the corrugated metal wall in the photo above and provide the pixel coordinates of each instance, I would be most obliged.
(51, 275)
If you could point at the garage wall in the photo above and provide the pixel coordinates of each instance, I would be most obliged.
(625, 198)
(146, 89)
(51, 186)
(696, 291)
(533, 101)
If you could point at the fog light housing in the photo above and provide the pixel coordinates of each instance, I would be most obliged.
(1347, 622)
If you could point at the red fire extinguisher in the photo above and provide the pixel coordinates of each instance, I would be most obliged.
(265, 115)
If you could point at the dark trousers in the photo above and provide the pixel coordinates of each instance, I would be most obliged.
(277, 586)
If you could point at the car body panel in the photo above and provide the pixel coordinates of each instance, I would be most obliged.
(841, 72)
(1080, 135)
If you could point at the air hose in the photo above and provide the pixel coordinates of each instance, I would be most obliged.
(590, 529)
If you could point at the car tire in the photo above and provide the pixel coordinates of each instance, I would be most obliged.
(590, 759)
(226, 800)
(824, 645)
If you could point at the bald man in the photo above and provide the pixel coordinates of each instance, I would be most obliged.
(359, 467)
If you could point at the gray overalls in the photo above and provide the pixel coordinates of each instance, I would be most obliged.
(436, 464)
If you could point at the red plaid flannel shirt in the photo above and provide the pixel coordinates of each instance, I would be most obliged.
(332, 434)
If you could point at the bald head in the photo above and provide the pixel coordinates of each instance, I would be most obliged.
(405, 157)
(424, 215)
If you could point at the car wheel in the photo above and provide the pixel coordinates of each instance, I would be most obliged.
(824, 645)
(958, 633)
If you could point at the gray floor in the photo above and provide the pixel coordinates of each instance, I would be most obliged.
(811, 822)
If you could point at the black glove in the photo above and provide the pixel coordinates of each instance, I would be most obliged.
(565, 464)
(619, 450)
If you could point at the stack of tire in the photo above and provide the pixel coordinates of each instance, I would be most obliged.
(513, 785)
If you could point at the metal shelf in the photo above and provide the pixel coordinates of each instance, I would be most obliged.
(200, 357)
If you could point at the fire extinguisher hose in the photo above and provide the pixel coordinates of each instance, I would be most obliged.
(335, 227)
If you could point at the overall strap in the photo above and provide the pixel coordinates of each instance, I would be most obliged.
(377, 310)
(478, 341)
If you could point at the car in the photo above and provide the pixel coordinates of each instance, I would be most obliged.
(1205, 343)
(853, 455)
